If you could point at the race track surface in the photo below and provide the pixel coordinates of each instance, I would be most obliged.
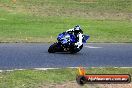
(28, 56)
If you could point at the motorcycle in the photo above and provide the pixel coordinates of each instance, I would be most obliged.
(66, 43)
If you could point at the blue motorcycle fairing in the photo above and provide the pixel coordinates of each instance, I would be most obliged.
(62, 38)
(72, 38)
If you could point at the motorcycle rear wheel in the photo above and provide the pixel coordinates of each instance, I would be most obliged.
(75, 49)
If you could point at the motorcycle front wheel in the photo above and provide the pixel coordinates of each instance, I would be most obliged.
(53, 48)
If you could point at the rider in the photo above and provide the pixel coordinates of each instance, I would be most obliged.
(77, 31)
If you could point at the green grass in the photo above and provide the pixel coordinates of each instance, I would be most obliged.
(34, 78)
(43, 20)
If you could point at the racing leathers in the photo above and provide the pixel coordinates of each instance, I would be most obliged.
(78, 35)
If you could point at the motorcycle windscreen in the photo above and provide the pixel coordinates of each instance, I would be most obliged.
(85, 38)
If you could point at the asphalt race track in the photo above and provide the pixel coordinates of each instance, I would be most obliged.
(35, 55)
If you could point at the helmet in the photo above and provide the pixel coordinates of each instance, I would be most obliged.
(77, 29)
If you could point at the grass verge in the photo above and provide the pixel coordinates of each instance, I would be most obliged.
(43, 20)
(36, 78)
